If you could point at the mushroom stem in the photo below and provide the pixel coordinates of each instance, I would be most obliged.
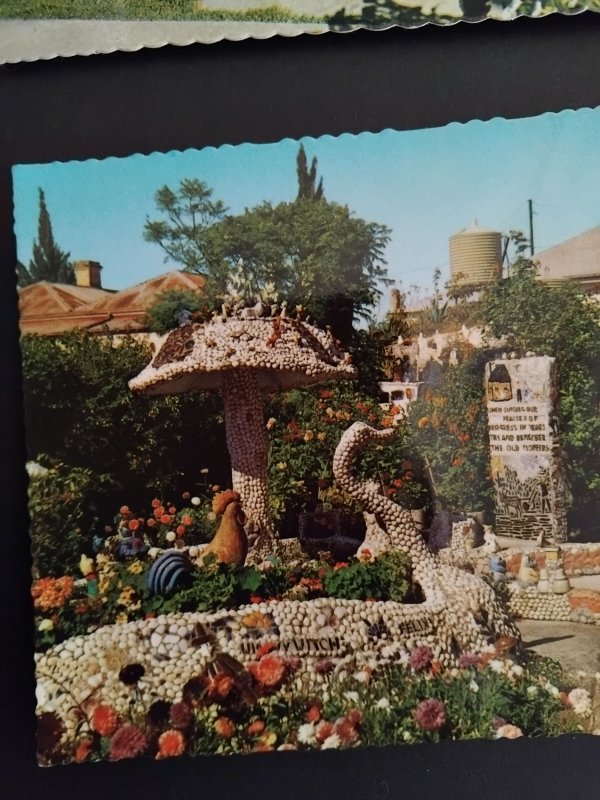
(248, 448)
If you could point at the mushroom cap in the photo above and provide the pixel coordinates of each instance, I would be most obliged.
(282, 353)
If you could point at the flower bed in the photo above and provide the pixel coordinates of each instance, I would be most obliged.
(223, 709)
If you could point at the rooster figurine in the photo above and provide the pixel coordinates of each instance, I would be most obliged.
(230, 543)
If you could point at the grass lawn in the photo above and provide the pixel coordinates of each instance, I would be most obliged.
(141, 9)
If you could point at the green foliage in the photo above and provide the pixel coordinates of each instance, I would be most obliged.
(305, 428)
(58, 511)
(310, 252)
(79, 409)
(48, 262)
(564, 323)
(184, 234)
(163, 314)
(386, 578)
(144, 9)
(449, 428)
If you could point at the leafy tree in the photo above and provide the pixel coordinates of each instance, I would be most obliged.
(190, 213)
(48, 262)
(309, 252)
(308, 188)
(314, 254)
(163, 314)
(564, 323)
(80, 410)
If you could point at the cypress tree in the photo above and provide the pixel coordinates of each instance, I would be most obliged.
(49, 262)
(308, 188)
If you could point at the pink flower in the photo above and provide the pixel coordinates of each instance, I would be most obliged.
(430, 715)
(469, 660)
(421, 658)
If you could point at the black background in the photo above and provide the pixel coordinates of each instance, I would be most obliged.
(176, 98)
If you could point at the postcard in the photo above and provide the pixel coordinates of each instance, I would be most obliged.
(42, 30)
(312, 452)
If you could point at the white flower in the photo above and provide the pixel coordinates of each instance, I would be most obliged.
(306, 733)
(331, 742)
(204, 471)
(352, 696)
(193, 551)
(580, 701)
(171, 536)
(474, 686)
(211, 516)
(195, 501)
(532, 691)
(496, 665)
(46, 625)
(552, 690)
(41, 694)
(153, 552)
(516, 671)
(383, 702)
(362, 676)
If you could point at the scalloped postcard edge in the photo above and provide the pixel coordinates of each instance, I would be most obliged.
(44, 39)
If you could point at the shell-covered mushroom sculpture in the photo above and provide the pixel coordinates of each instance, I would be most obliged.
(243, 358)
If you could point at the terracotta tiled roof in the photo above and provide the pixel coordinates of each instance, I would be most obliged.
(51, 308)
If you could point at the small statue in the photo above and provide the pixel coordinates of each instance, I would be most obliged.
(184, 318)
(230, 543)
(497, 567)
(528, 575)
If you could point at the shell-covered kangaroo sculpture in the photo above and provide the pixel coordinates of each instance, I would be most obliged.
(473, 614)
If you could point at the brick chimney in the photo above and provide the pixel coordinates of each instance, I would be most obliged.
(87, 273)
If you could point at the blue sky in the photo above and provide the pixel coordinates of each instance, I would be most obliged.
(425, 185)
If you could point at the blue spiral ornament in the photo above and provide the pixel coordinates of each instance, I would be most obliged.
(169, 570)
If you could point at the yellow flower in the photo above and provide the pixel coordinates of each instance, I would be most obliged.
(271, 423)
(136, 567)
(127, 596)
(321, 436)
(309, 436)
(282, 465)
(268, 738)
(121, 618)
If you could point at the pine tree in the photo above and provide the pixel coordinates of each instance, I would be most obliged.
(308, 188)
(49, 262)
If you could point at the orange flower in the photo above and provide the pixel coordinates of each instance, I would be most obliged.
(133, 524)
(51, 593)
(224, 727)
(255, 727)
(264, 649)
(313, 714)
(82, 750)
(172, 510)
(187, 520)
(104, 720)
(423, 422)
(219, 687)
(124, 510)
(158, 512)
(155, 503)
(269, 671)
(256, 620)
(150, 522)
(340, 565)
(165, 519)
(170, 743)
(180, 530)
